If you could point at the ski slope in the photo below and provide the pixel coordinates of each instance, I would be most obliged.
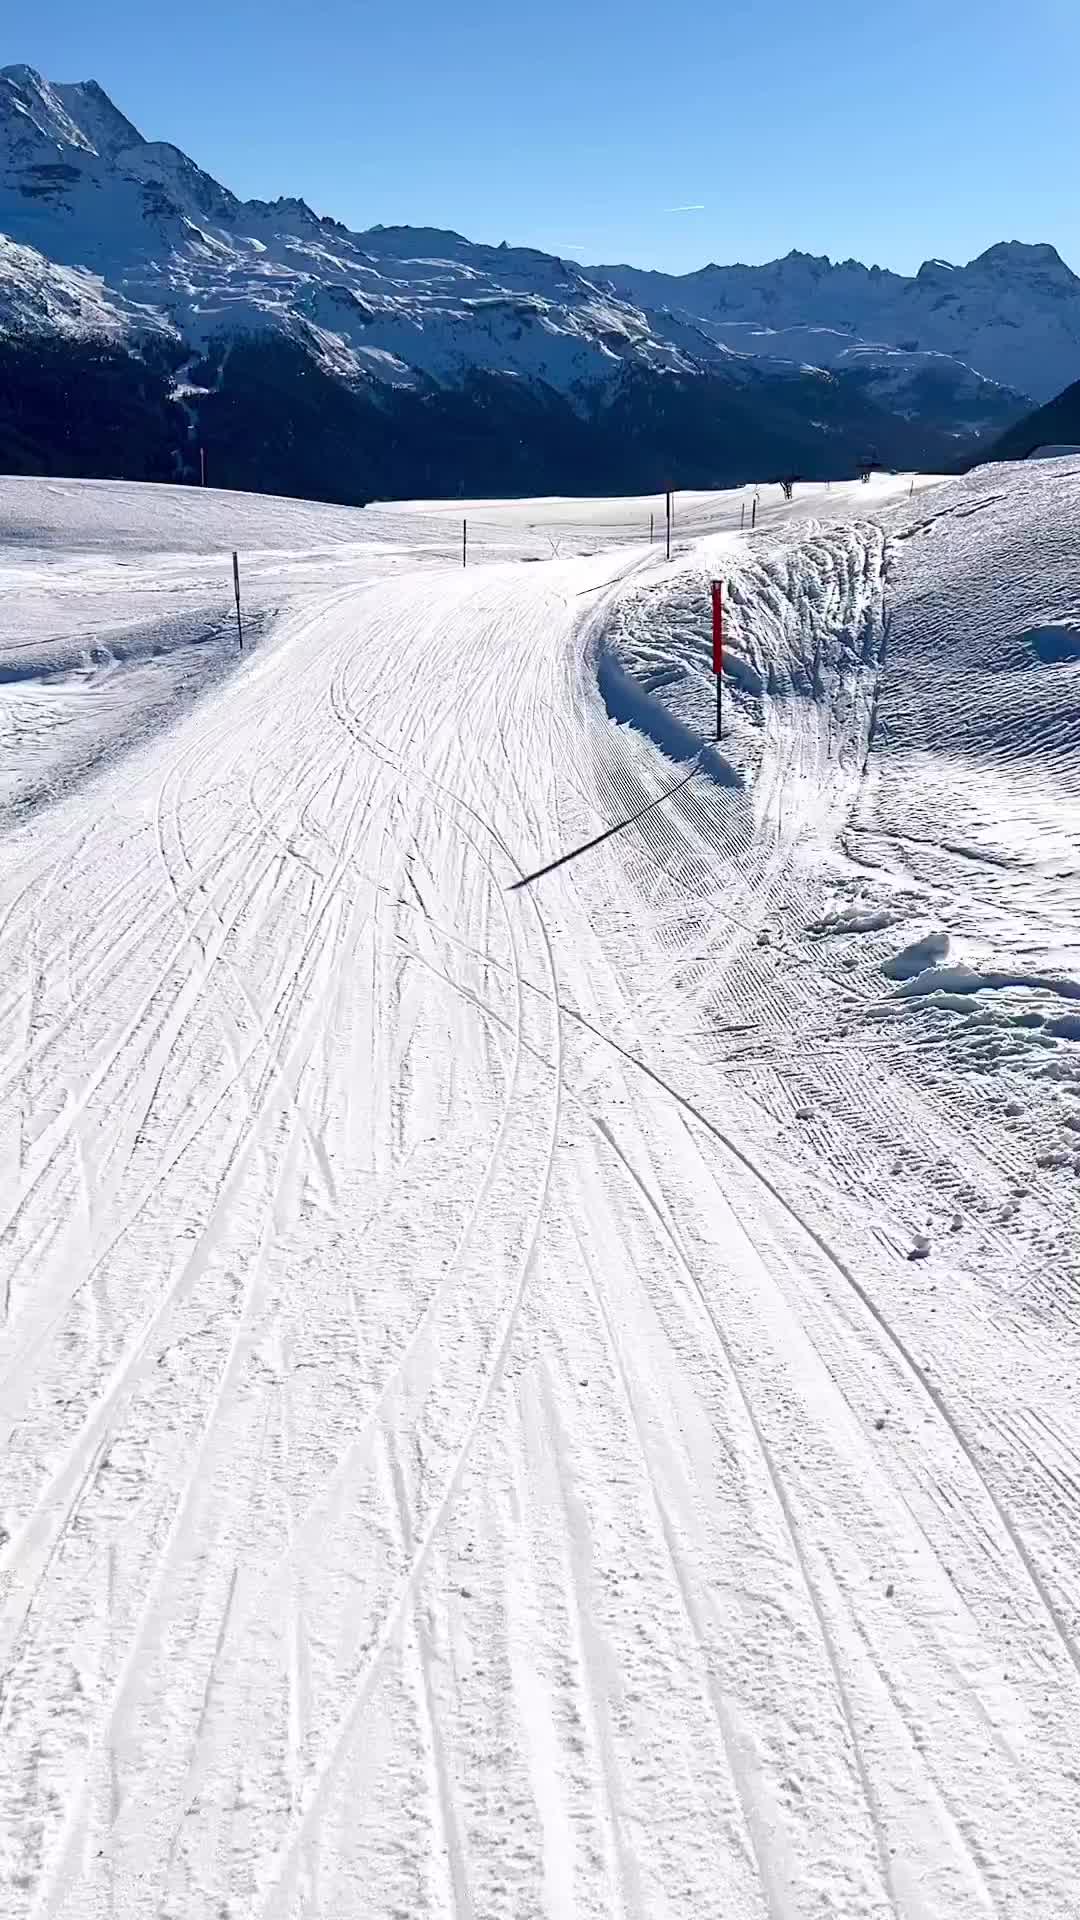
(555, 1401)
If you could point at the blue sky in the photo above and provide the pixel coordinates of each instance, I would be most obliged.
(887, 133)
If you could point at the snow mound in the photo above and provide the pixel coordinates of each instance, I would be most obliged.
(803, 633)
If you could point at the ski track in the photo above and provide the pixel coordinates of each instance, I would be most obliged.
(470, 1447)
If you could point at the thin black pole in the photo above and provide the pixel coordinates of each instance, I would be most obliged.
(464, 542)
(202, 466)
(650, 529)
(667, 555)
(236, 590)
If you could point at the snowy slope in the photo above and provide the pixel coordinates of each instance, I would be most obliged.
(914, 382)
(476, 1438)
(945, 913)
(1013, 313)
(37, 296)
(1056, 425)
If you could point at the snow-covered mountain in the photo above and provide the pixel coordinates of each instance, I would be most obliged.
(176, 251)
(401, 359)
(1055, 425)
(1013, 313)
(37, 295)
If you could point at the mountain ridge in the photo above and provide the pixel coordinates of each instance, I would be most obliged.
(111, 237)
(1012, 312)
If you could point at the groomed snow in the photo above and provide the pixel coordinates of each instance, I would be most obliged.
(559, 1401)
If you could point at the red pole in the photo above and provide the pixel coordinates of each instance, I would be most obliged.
(718, 649)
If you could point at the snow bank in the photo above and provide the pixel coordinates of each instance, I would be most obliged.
(803, 634)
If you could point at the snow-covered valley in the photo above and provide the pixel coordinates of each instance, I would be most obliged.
(555, 1399)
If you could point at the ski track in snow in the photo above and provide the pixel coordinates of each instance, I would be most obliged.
(475, 1441)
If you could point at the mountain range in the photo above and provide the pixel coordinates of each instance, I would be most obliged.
(1013, 313)
(147, 312)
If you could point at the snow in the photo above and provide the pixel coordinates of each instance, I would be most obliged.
(557, 1401)
(895, 376)
(38, 296)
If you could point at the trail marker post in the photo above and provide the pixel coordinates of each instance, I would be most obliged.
(742, 515)
(667, 555)
(651, 519)
(236, 590)
(464, 543)
(753, 513)
(202, 466)
(718, 650)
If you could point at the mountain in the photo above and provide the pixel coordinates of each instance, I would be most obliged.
(1055, 425)
(935, 388)
(1013, 313)
(315, 359)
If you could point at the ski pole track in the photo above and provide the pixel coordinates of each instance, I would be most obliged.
(288, 1865)
(700, 1634)
(58, 1507)
(978, 1889)
(65, 1866)
(167, 1038)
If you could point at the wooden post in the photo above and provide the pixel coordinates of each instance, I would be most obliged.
(464, 543)
(236, 590)
(753, 513)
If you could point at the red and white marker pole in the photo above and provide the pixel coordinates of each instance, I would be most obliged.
(718, 650)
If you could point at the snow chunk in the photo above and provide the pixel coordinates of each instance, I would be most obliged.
(852, 920)
(917, 957)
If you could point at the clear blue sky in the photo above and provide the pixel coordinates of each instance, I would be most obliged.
(891, 133)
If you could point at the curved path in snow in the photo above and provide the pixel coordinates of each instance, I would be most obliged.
(452, 1463)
